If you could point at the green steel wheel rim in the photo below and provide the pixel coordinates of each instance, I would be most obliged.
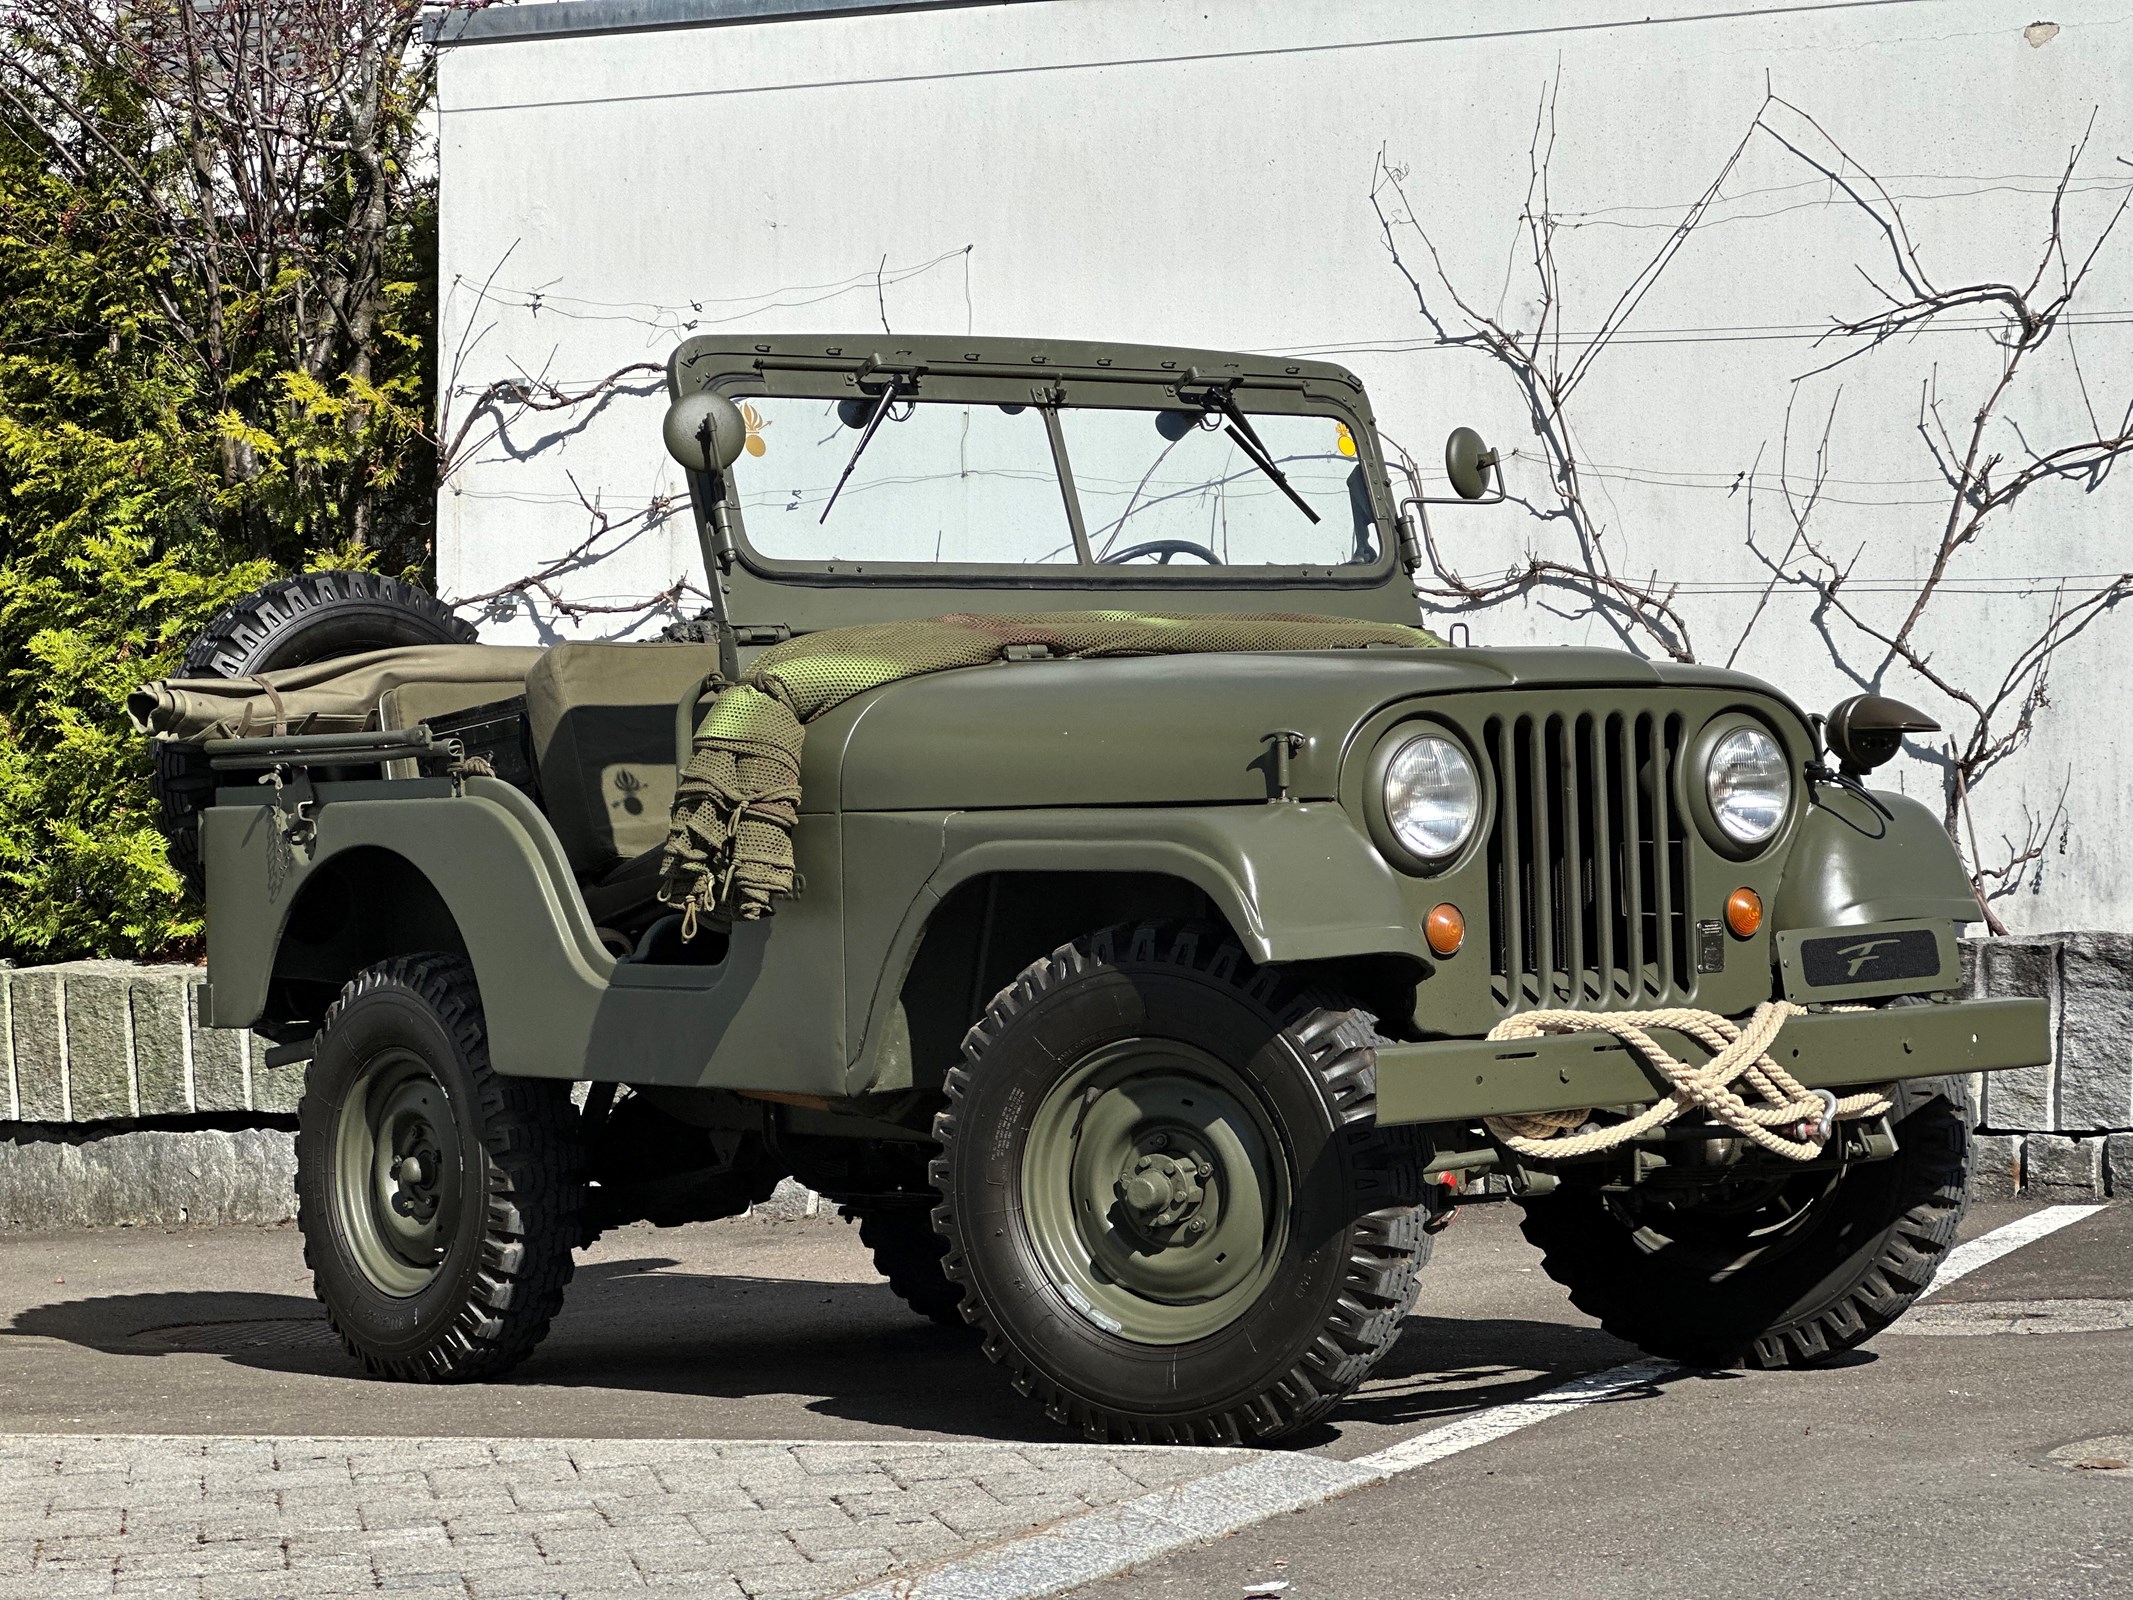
(1156, 1191)
(396, 1189)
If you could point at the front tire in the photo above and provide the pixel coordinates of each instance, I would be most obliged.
(439, 1201)
(1165, 1193)
(1792, 1274)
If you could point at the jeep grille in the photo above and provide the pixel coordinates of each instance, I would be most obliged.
(1588, 866)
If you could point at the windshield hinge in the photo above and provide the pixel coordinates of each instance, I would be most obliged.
(757, 633)
(1285, 745)
(1027, 652)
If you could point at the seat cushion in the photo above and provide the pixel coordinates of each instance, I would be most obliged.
(602, 720)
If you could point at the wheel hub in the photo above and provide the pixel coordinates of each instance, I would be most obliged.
(414, 1177)
(1154, 1191)
(396, 1194)
(1160, 1191)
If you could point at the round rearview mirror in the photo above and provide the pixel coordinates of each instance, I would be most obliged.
(1467, 463)
(705, 432)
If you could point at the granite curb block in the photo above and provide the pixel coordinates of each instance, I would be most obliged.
(79, 1177)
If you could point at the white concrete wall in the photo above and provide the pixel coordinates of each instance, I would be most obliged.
(1201, 173)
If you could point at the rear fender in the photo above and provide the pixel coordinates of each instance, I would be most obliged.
(498, 877)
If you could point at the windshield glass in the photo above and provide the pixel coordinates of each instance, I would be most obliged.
(1183, 478)
(982, 484)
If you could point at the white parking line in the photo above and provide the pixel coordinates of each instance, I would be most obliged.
(1104, 1543)
(1987, 1248)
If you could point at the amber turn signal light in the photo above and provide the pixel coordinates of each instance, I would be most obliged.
(1744, 912)
(1445, 929)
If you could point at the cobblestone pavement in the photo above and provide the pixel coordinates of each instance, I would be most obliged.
(469, 1519)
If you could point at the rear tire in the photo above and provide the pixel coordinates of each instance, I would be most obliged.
(908, 1252)
(291, 622)
(439, 1201)
(1824, 1264)
(1164, 1189)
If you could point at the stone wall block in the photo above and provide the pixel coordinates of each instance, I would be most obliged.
(1996, 1165)
(276, 1089)
(2058, 1167)
(99, 1041)
(2118, 1165)
(40, 1043)
(218, 1069)
(8, 1095)
(2095, 1087)
(148, 1176)
(161, 999)
(2021, 1100)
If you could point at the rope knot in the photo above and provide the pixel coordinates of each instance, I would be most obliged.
(1786, 1117)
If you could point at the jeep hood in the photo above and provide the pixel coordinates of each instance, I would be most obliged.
(1166, 730)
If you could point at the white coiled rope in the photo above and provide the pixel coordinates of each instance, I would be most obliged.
(1740, 1054)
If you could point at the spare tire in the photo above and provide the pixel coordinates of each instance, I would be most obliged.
(292, 622)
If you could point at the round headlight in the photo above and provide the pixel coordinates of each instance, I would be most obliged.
(1749, 785)
(1431, 797)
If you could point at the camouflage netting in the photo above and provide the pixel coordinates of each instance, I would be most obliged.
(729, 852)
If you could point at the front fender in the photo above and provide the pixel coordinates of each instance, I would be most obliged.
(1296, 882)
(1858, 860)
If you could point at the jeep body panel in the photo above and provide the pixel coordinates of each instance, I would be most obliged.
(1236, 786)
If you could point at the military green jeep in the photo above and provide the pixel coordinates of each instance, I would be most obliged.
(1153, 940)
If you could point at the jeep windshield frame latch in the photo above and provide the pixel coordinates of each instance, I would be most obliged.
(1285, 744)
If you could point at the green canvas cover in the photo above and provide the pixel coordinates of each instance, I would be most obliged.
(342, 695)
(601, 715)
(729, 850)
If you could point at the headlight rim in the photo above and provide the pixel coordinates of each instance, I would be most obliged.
(1387, 838)
(1696, 779)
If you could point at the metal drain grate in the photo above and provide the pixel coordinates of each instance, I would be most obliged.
(223, 1338)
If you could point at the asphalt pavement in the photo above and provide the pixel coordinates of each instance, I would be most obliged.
(743, 1409)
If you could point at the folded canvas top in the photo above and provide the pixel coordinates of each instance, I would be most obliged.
(343, 695)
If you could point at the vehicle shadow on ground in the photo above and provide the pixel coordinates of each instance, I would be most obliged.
(638, 1325)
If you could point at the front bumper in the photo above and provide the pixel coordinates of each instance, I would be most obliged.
(1460, 1080)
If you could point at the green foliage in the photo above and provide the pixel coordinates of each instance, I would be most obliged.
(122, 529)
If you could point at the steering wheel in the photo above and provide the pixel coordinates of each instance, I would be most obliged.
(1162, 550)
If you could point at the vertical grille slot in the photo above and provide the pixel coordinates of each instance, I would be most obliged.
(1588, 861)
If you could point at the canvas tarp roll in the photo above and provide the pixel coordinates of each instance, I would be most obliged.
(336, 696)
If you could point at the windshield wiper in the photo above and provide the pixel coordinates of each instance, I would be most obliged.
(881, 409)
(1247, 439)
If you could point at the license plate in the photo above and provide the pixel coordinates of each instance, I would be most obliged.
(1865, 957)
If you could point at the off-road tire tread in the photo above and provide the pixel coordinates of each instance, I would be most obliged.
(908, 1253)
(1901, 1269)
(1387, 1246)
(536, 1192)
(234, 634)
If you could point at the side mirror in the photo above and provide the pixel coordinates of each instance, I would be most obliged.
(704, 432)
(1868, 729)
(1468, 461)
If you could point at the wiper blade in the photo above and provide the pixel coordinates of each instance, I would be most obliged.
(881, 409)
(1247, 438)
